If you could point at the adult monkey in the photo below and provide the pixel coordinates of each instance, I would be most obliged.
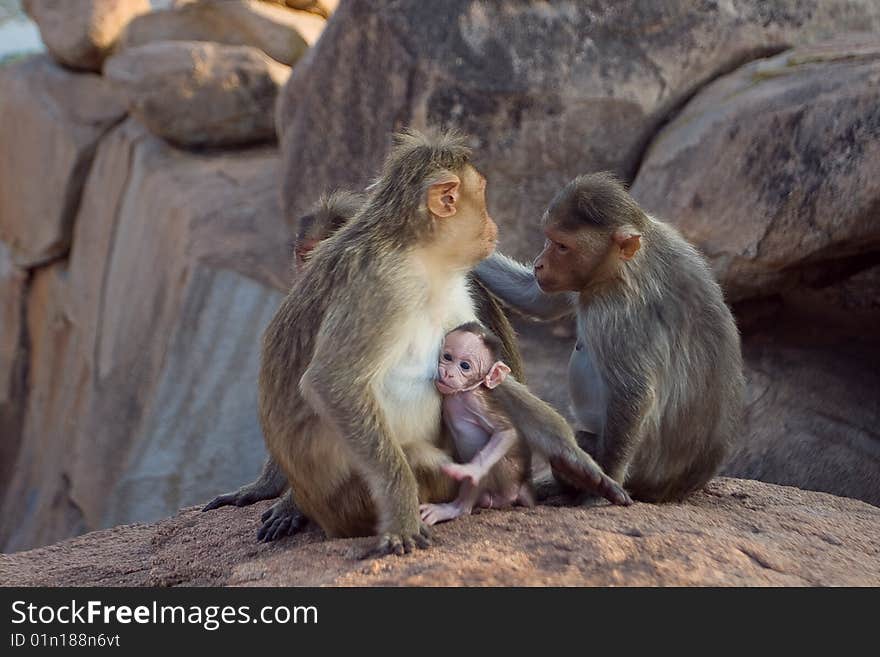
(655, 377)
(331, 213)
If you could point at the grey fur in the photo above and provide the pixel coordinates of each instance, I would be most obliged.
(656, 374)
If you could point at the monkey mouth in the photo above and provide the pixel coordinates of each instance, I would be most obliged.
(444, 389)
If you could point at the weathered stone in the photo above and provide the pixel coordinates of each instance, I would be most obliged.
(283, 34)
(774, 170)
(194, 93)
(735, 533)
(548, 90)
(155, 321)
(82, 33)
(50, 123)
(323, 8)
(813, 373)
(13, 361)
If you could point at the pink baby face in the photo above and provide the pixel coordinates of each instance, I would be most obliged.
(464, 361)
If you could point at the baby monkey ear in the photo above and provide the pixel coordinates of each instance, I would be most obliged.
(497, 373)
(443, 196)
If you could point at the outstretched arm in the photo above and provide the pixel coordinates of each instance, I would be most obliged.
(493, 451)
(515, 285)
(341, 383)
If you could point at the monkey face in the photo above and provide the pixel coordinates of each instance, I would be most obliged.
(464, 362)
(570, 261)
(465, 231)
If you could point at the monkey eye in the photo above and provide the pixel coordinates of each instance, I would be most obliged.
(562, 248)
(447, 357)
(465, 365)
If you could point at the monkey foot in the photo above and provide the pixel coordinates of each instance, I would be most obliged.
(280, 520)
(433, 513)
(400, 544)
(244, 496)
(588, 476)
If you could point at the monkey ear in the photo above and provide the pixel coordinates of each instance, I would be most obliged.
(629, 242)
(497, 373)
(443, 196)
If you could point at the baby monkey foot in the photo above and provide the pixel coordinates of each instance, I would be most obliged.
(433, 513)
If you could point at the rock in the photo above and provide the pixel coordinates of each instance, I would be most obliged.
(735, 533)
(13, 361)
(323, 8)
(774, 170)
(200, 94)
(283, 34)
(813, 374)
(589, 98)
(82, 33)
(154, 321)
(50, 123)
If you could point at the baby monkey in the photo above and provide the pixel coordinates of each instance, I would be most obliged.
(497, 468)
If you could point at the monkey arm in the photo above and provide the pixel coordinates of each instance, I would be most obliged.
(341, 385)
(516, 286)
(492, 452)
(546, 432)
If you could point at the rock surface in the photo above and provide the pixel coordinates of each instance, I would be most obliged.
(196, 94)
(52, 121)
(737, 532)
(175, 269)
(589, 98)
(774, 170)
(13, 361)
(82, 33)
(283, 34)
(813, 375)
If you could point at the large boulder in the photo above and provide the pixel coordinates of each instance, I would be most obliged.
(547, 90)
(735, 533)
(194, 93)
(50, 123)
(774, 170)
(82, 33)
(323, 8)
(283, 34)
(143, 345)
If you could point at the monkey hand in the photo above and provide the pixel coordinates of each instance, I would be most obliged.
(400, 543)
(585, 474)
(464, 472)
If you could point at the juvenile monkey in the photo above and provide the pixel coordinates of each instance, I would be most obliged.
(497, 472)
(655, 377)
(331, 213)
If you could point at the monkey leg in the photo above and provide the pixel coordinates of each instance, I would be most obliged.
(281, 519)
(468, 495)
(270, 484)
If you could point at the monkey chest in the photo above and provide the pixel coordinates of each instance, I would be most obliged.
(409, 400)
(470, 429)
(586, 388)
